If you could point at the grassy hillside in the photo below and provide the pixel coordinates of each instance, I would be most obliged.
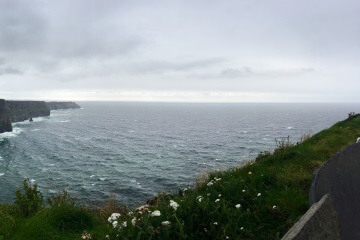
(259, 200)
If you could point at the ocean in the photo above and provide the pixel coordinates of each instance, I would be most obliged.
(132, 151)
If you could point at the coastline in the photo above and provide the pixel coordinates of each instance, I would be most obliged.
(260, 200)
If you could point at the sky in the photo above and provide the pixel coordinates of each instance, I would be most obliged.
(180, 51)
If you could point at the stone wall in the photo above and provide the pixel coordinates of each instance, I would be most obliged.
(335, 195)
(320, 222)
(340, 176)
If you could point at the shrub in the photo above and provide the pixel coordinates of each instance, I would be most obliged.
(70, 218)
(61, 199)
(29, 202)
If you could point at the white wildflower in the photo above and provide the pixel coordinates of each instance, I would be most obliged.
(174, 204)
(114, 224)
(107, 237)
(242, 228)
(143, 207)
(210, 183)
(113, 217)
(259, 194)
(199, 198)
(274, 207)
(165, 223)
(238, 205)
(208, 194)
(133, 221)
(217, 200)
(243, 190)
(215, 223)
(124, 224)
(86, 236)
(155, 213)
(219, 195)
(130, 213)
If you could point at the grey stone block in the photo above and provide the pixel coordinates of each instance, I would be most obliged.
(340, 176)
(320, 222)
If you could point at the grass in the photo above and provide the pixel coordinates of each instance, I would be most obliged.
(272, 191)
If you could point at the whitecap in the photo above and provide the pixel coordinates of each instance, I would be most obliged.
(64, 121)
(52, 191)
(34, 130)
(289, 128)
(92, 176)
(2, 174)
(32, 180)
(102, 179)
(16, 131)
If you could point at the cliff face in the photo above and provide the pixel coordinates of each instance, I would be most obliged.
(24, 110)
(61, 105)
(5, 123)
(17, 111)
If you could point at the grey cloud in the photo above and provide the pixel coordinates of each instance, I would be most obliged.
(10, 71)
(22, 26)
(250, 72)
(157, 67)
(258, 46)
(233, 72)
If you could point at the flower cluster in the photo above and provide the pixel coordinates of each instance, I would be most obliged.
(174, 204)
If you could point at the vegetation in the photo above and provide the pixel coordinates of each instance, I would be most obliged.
(258, 200)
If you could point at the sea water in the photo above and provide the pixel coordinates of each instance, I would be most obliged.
(131, 151)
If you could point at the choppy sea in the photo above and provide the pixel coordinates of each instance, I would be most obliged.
(131, 151)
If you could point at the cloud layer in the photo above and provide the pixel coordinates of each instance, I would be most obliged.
(161, 50)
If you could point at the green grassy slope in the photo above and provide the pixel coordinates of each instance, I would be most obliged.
(260, 200)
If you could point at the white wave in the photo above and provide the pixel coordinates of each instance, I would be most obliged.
(2, 174)
(289, 128)
(32, 180)
(36, 129)
(27, 122)
(92, 176)
(64, 121)
(52, 191)
(102, 179)
(16, 131)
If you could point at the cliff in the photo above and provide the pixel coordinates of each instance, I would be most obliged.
(5, 123)
(17, 111)
(24, 110)
(61, 105)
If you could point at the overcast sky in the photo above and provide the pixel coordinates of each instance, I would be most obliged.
(185, 50)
